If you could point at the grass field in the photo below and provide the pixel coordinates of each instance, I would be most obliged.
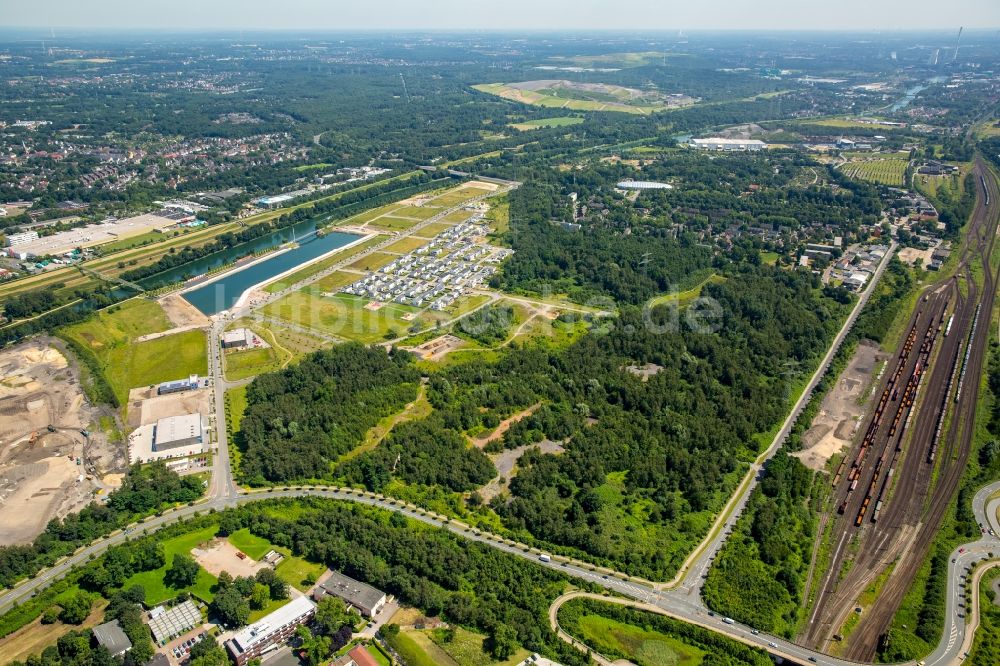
(447, 222)
(644, 647)
(134, 241)
(335, 281)
(342, 315)
(408, 244)
(560, 121)
(840, 123)
(373, 261)
(889, 171)
(572, 99)
(625, 59)
(378, 656)
(392, 223)
(152, 581)
(684, 298)
(466, 648)
(457, 196)
(250, 363)
(251, 544)
(417, 649)
(425, 212)
(110, 337)
(287, 345)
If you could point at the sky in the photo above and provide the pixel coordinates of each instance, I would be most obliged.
(503, 14)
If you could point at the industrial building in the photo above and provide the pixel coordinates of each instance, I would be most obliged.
(643, 185)
(111, 637)
(363, 598)
(252, 641)
(235, 339)
(14, 240)
(179, 385)
(174, 432)
(277, 200)
(717, 143)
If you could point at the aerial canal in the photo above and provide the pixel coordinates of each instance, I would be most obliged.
(222, 291)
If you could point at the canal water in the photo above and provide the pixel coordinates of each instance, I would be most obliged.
(222, 293)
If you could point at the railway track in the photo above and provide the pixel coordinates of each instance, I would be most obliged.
(890, 502)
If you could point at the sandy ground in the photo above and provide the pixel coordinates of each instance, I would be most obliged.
(842, 409)
(145, 407)
(39, 477)
(219, 555)
(909, 255)
(505, 462)
(505, 426)
(181, 313)
(437, 348)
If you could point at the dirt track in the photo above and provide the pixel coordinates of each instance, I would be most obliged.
(912, 504)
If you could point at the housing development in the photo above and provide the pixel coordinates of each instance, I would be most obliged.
(499, 346)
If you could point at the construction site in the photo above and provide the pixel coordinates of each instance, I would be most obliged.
(52, 459)
(905, 464)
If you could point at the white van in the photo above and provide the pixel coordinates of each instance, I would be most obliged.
(544, 558)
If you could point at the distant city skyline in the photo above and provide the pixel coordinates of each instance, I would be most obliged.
(504, 14)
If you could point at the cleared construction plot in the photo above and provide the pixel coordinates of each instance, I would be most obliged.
(344, 316)
(40, 477)
(572, 95)
(842, 409)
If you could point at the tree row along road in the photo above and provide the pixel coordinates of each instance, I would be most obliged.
(223, 493)
(679, 603)
(640, 593)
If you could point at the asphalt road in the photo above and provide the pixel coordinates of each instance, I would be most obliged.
(690, 576)
(679, 603)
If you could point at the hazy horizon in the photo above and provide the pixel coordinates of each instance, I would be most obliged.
(534, 15)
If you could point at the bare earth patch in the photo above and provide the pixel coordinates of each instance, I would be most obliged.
(39, 475)
(842, 409)
(181, 313)
(505, 426)
(219, 555)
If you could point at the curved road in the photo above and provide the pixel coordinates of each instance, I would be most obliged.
(681, 603)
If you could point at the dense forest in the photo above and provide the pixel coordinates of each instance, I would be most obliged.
(145, 490)
(758, 578)
(696, 417)
(301, 418)
(465, 582)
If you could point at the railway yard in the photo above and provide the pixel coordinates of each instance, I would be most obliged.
(893, 487)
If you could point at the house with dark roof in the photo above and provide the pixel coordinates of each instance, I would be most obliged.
(363, 598)
(110, 636)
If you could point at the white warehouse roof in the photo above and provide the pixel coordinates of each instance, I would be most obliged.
(176, 428)
(643, 185)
